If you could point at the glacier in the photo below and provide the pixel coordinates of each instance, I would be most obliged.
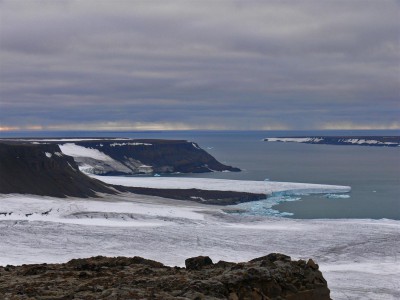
(358, 257)
(249, 186)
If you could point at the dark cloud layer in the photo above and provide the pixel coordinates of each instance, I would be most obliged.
(199, 64)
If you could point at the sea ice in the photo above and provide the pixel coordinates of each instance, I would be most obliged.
(336, 196)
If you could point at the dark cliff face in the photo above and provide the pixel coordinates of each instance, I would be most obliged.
(273, 276)
(43, 170)
(164, 156)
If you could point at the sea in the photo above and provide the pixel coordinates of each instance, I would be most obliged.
(372, 172)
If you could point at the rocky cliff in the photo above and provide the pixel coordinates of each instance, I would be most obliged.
(274, 276)
(27, 168)
(130, 156)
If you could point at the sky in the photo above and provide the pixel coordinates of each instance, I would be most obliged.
(213, 65)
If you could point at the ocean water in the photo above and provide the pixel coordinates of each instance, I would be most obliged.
(372, 172)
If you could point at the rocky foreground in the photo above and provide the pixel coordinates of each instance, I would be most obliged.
(273, 276)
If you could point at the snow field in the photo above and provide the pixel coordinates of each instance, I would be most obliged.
(359, 258)
(261, 187)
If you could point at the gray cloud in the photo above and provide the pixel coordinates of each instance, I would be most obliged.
(221, 64)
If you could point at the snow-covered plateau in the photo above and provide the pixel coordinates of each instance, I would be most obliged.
(357, 257)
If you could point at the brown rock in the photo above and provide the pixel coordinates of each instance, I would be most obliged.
(273, 276)
(312, 264)
(196, 263)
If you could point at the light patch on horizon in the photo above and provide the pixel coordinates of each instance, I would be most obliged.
(365, 126)
(9, 128)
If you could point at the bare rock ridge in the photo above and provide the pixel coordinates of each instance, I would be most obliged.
(274, 276)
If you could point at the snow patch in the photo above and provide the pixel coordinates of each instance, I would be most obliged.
(37, 141)
(79, 151)
(130, 144)
(195, 146)
(295, 140)
(48, 154)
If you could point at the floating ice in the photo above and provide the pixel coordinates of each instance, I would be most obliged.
(263, 207)
(336, 196)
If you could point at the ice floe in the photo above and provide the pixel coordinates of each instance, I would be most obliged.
(336, 196)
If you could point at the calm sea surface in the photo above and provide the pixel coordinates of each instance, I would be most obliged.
(372, 172)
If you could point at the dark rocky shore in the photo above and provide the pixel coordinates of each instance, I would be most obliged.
(42, 169)
(274, 276)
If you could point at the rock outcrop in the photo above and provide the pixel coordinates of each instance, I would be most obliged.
(274, 276)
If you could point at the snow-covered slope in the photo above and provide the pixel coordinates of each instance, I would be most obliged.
(93, 161)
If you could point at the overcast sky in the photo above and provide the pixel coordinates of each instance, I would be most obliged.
(199, 64)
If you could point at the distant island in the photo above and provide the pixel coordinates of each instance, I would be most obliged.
(125, 156)
(376, 141)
